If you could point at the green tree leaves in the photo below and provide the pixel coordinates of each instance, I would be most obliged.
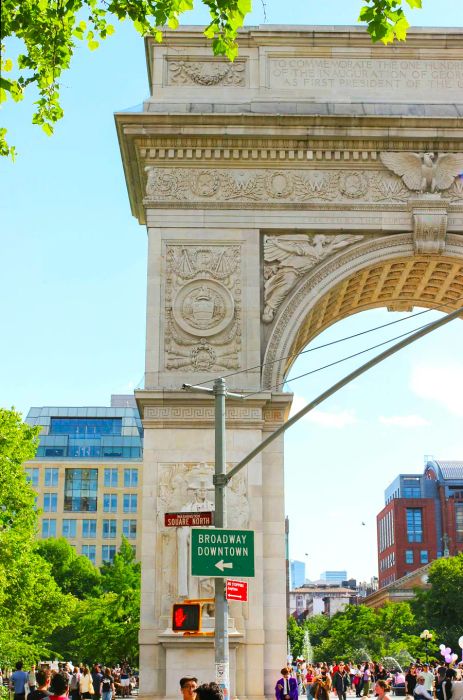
(441, 607)
(359, 633)
(386, 20)
(30, 599)
(50, 30)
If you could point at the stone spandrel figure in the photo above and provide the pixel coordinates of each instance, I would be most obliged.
(191, 586)
(287, 260)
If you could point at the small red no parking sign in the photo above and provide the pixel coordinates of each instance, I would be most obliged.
(237, 590)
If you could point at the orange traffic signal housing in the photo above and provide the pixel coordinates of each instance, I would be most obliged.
(186, 617)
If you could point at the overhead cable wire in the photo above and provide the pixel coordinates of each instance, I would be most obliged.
(337, 362)
(325, 345)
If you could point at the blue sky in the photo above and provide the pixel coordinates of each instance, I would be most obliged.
(72, 296)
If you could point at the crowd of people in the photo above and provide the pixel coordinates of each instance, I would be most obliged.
(78, 682)
(422, 681)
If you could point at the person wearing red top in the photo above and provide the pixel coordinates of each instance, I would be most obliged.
(59, 688)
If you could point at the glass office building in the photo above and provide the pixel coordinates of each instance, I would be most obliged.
(88, 474)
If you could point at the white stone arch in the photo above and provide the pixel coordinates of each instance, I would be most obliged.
(318, 282)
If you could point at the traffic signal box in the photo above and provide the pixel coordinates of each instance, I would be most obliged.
(186, 617)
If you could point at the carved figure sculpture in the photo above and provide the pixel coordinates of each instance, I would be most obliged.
(287, 259)
(189, 586)
(422, 172)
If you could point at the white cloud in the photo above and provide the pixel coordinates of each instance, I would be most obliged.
(411, 421)
(443, 384)
(324, 419)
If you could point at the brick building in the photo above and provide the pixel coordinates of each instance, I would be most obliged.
(421, 521)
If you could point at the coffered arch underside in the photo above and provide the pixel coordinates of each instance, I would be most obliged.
(385, 272)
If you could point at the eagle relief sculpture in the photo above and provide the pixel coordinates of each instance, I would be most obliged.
(423, 172)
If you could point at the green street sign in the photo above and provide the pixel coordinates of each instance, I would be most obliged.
(222, 553)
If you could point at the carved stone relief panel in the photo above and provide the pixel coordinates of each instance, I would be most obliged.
(288, 258)
(203, 307)
(308, 185)
(425, 172)
(206, 72)
(429, 215)
(280, 186)
(187, 487)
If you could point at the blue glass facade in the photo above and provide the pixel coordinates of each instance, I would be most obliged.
(88, 433)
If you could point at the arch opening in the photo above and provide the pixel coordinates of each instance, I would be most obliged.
(398, 284)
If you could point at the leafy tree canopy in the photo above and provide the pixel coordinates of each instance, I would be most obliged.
(50, 30)
(106, 617)
(30, 599)
(73, 573)
(106, 626)
(360, 633)
(441, 606)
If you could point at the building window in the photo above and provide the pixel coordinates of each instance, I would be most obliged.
(51, 476)
(414, 525)
(110, 477)
(89, 528)
(80, 490)
(89, 551)
(424, 556)
(130, 477)
(86, 427)
(70, 529)
(129, 529)
(459, 521)
(130, 503)
(108, 552)
(48, 527)
(109, 529)
(50, 502)
(32, 475)
(110, 503)
(409, 556)
(411, 488)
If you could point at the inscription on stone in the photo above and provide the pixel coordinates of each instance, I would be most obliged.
(361, 74)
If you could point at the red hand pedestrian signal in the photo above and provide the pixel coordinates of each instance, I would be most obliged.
(186, 617)
(179, 617)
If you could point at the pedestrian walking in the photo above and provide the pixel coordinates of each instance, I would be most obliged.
(43, 679)
(107, 685)
(286, 687)
(381, 689)
(86, 689)
(341, 681)
(188, 685)
(18, 680)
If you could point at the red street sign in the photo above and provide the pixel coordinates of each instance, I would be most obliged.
(189, 519)
(237, 590)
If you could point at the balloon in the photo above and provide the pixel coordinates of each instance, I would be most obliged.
(442, 646)
(443, 652)
(460, 642)
(448, 659)
(448, 650)
(454, 658)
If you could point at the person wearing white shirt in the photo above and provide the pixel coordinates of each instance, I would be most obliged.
(420, 692)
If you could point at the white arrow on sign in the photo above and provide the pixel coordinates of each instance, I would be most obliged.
(224, 565)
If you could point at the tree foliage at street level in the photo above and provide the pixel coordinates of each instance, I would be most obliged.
(442, 605)
(72, 572)
(50, 30)
(106, 617)
(359, 633)
(30, 599)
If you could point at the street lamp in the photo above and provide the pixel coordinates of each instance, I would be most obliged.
(426, 636)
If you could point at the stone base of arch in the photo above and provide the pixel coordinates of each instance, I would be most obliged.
(179, 441)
